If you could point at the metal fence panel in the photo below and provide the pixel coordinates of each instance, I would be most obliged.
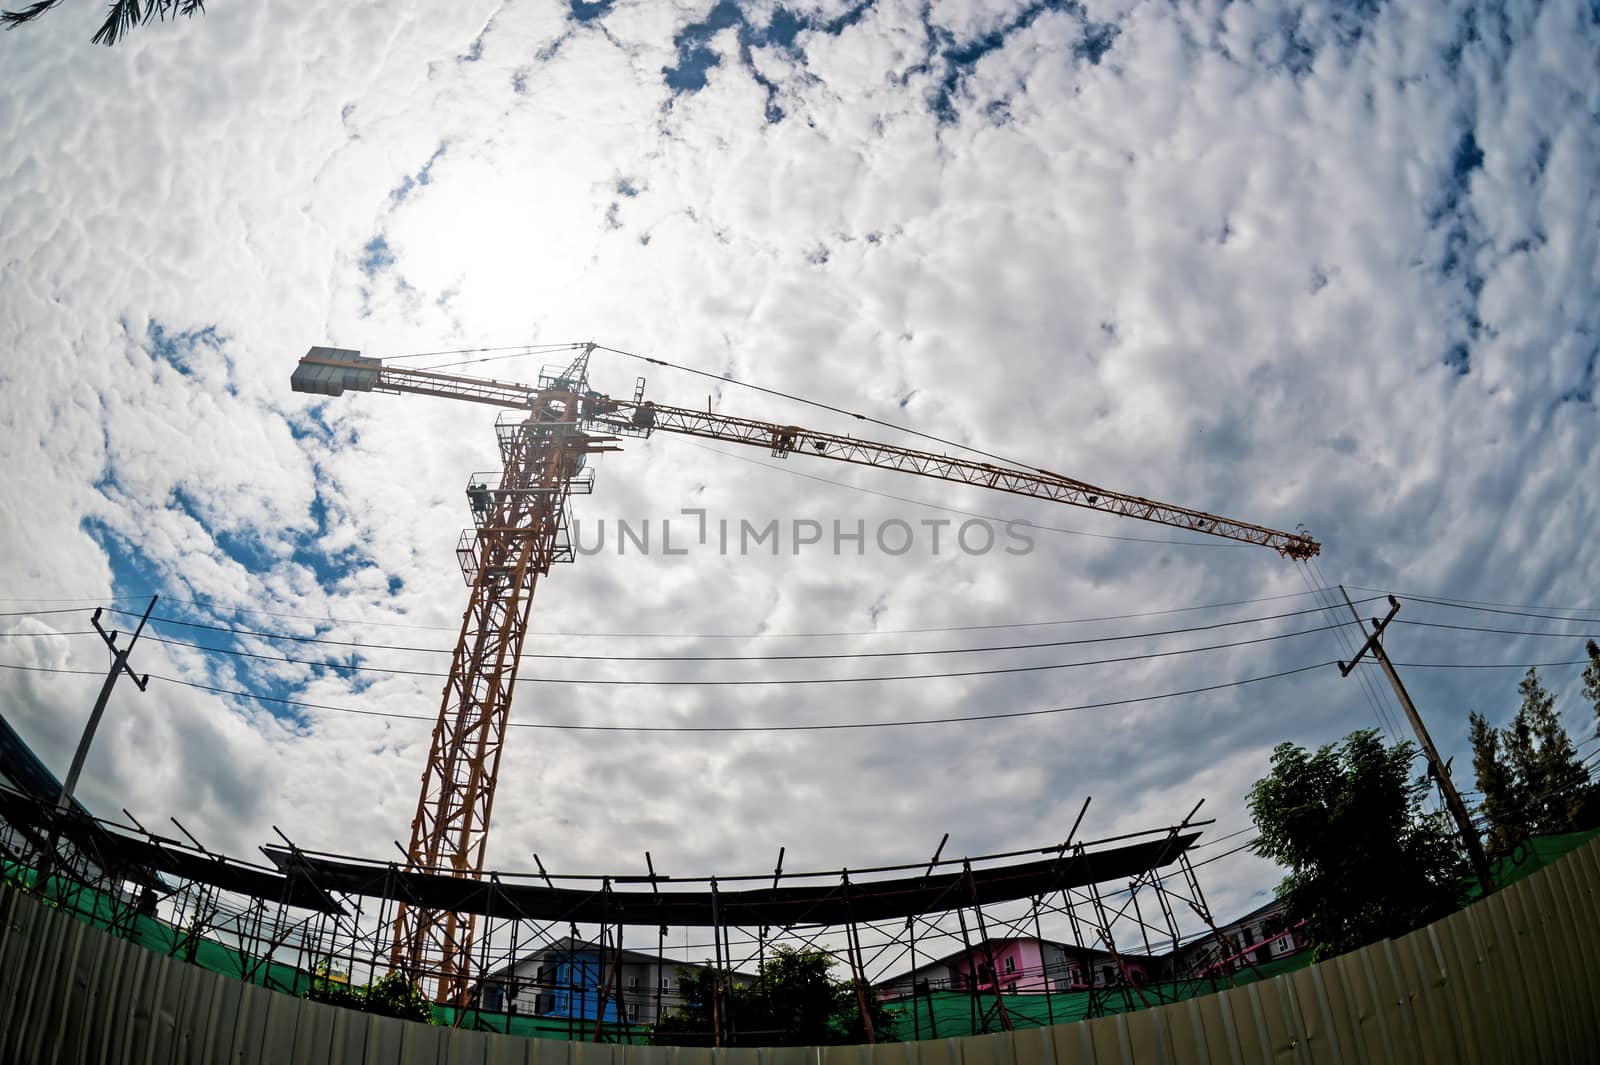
(172, 994)
(130, 1009)
(1510, 979)
(385, 1042)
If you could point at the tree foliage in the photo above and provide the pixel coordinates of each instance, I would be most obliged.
(121, 17)
(1591, 681)
(795, 1001)
(1365, 860)
(1504, 804)
(390, 996)
(1529, 773)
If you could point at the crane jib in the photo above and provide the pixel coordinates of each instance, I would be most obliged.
(331, 371)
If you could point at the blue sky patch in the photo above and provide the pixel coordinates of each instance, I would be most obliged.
(953, 61)
(1095, 42)
(130, 574)
(474, 50)
(376, 256)
(782, 29)
(423, 176)
(584, 11)
(1468, 157)
(179, 348)
(693, 44)
(1583, 392)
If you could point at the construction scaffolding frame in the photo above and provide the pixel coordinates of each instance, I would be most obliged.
(305, 918)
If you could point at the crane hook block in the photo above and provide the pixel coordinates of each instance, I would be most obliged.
(329, 371)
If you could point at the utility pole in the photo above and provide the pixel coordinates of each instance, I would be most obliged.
(1452, 798)
(119, 666)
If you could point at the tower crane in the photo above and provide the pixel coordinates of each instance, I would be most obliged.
(521, 527)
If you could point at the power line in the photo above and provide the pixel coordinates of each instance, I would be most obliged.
(68, 599)
(1499, 632)
(1383, 695)
(1492, 665)
(1224, 839)
(214, 608)
(53, 669)
(1455, 601)
(1458, 605)
(351, 667)
(1092, 662)
(834, 655)
(1224, 854)
(1324, 595)
(828, 727)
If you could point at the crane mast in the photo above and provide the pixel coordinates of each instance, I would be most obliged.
(521, 527)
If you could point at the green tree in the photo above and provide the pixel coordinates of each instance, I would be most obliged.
(795, 1001)
(1545, 761)
(1591, 681)
(391, 996)
(122, 16)
(1529, 772)
(1365, 860)
(1504, 803)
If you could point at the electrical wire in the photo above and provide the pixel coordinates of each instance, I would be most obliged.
(604, 681)
(1224, 854)
(1492, 610)
(1494, 665)
(835, 655)
(700, 729)
(1224, 839)
(52, 669)
(1456, 601)
(1318, 587)
(67, 599)
(214, 608)
(1100, 661)
(1382, 694)
(1481, 628)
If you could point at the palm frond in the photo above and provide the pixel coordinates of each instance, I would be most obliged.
(123, 15)
(12, 19)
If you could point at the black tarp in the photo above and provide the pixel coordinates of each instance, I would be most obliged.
(782, 906)
(130, 855)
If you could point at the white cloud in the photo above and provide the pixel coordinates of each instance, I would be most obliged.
(1225, 265)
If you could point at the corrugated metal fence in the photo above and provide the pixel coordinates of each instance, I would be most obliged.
(1514, 978)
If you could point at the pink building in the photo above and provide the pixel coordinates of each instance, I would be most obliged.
(1021, 965)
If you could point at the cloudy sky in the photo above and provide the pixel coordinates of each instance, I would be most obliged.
(1330, 263)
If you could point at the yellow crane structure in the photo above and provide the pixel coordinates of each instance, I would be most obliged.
(521, 528)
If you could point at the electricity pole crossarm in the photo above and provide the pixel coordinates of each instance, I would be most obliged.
(119, 666)
(1436, 766)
